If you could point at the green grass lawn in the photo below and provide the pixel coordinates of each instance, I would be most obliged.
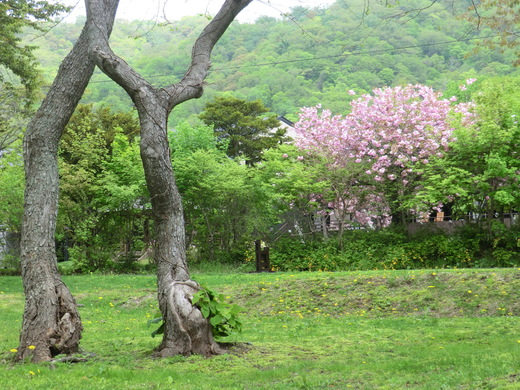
(456, 329)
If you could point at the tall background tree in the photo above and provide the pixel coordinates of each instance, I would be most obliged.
(19, 76)
(226, 203)
(480, 173)
(103, 197)
(15, 16)
(391, 134)
(245, 125)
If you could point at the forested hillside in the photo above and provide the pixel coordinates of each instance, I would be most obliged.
(308, 57)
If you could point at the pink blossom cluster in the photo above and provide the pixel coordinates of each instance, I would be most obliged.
(464, 87)
(394, 131)
(395, 127)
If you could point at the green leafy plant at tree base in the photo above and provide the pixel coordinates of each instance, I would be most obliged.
(222, 316)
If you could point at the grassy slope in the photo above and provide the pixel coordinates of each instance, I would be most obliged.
(369, 330)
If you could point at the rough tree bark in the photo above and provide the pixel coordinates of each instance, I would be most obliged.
(51, 322)
(186, 330)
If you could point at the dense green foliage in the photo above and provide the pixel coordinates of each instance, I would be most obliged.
(468, 247)
(103, 197)
(225, 204)
(11, 192)
(12, 186)
(481, 172)
(15, 57)
(311, 56)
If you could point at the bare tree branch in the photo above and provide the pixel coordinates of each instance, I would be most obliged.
(191, 84)
(475, 8)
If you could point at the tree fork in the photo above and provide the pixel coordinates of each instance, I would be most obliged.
(186, 331)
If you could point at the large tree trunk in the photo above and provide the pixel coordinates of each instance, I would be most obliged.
(51, 322)
(186, 331)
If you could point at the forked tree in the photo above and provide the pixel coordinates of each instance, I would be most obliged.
(186, 331)
(51, 322)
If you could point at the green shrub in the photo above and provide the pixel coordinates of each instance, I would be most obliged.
(10, 264)
(470, 246)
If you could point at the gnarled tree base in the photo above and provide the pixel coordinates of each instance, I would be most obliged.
(51, 326)
(187, 332)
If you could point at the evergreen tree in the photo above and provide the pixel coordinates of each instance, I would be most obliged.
(245, 125)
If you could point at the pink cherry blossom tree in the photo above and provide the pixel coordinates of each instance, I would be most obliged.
(382, 146)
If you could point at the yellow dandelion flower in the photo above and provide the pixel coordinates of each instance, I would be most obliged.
(31, 347)
(14, 350)
(32, 373)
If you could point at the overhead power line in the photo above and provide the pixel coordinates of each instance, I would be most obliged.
(354, 53)
(296, 60)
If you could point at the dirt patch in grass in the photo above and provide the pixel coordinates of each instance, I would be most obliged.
(144, 300)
